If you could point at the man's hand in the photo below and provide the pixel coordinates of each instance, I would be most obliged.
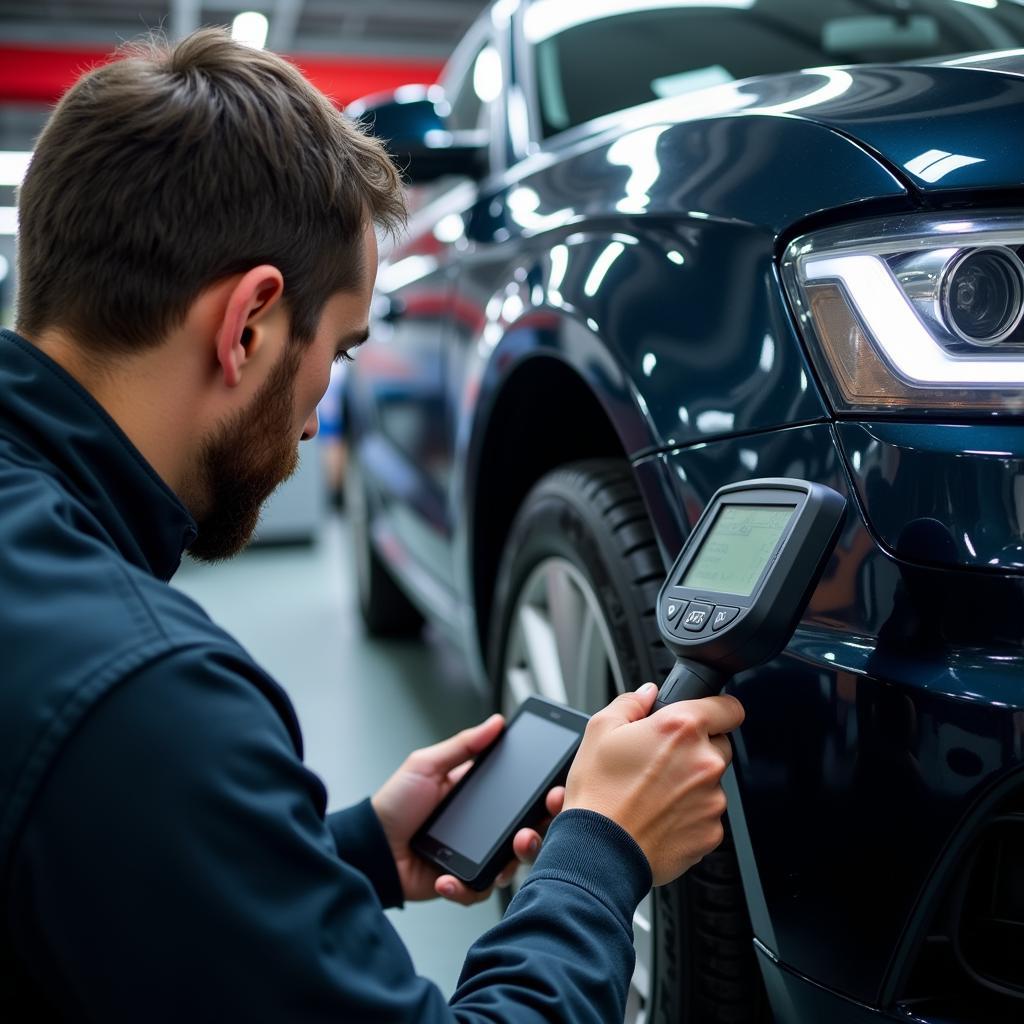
(658, 776)
(406, 800)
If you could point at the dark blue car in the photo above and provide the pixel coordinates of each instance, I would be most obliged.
(664, 246)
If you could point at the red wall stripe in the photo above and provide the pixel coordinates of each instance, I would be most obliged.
(32, 74)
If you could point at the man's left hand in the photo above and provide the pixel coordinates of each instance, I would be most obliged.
(406, 800)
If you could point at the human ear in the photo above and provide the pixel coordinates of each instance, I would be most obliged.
(253, 295)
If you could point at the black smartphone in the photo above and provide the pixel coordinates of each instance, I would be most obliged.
(470, 833)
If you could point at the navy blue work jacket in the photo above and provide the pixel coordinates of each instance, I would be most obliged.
(164, 853)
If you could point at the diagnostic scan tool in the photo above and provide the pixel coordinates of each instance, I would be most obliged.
(743, 579)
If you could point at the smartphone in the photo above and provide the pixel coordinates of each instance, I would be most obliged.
(470, 833)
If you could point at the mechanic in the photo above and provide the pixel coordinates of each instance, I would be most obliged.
(197, 246)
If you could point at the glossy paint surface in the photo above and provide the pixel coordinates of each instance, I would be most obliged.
(967, 109)
(651, 247)
(795, 998)
(942, 494)
(646, 239)
(916, 117)
(407, 115)
(897, 703)
(619, 285)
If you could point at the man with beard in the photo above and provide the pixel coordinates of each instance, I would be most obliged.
(197, 246)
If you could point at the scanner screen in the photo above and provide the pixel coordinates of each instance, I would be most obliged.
(737, 548)
(504, 786)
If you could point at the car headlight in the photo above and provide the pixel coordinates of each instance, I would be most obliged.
(916, 313)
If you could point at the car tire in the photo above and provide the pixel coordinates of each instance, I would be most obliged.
(588, 521)
(385, 609)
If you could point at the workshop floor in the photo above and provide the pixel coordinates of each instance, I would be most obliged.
(363, 704)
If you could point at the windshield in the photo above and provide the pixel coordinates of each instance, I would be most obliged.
(595, 58)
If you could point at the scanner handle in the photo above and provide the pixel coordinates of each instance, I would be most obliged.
(689, 680)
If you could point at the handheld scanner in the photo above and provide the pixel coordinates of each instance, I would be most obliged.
(743, 579)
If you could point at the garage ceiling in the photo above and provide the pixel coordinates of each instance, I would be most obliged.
(392, 28)
(40, 31)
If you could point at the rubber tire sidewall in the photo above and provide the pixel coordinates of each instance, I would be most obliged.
(385, 609)
(554, 521)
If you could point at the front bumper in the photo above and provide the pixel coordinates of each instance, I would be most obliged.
(872, 745)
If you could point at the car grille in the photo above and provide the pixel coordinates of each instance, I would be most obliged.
(989, 908)
(970, 965)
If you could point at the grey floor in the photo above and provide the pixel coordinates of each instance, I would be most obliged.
(363, 704)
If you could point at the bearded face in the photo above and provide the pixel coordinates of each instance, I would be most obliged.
(248, 456)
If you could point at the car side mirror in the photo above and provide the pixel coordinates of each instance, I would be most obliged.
(411, 122)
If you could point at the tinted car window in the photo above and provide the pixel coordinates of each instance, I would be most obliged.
(587, 65)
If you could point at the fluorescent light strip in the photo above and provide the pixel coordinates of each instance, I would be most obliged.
(837, 82)
(547, 18)
(937, 163)
(250, 28)
(8, 220)
(895, 327)
(13, 165)
(405, 272)
(601, 266)
(559, 265)
(982, 58)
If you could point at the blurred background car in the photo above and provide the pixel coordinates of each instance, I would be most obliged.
(664, 246)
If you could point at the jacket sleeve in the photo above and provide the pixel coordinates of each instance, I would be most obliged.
(360, 841)
(177, 865)
(564, 949)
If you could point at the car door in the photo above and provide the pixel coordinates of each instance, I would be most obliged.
(409, 450)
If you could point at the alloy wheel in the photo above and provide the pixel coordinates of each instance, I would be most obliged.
(560, 647)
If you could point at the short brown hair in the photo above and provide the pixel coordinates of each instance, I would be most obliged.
(175, 166)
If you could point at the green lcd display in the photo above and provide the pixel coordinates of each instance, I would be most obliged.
(737, 548)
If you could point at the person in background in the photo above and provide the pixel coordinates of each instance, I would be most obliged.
(333, 445)
(197, 247)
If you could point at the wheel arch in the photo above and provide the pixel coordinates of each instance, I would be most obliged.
(540, 413)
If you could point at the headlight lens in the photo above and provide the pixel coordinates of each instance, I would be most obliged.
(981, 295)
(918, 313)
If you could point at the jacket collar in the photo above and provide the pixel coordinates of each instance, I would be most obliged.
(60, 428)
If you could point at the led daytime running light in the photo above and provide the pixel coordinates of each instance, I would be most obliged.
(898, 331)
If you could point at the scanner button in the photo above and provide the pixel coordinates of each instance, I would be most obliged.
(673, 608)
(722, 617)
(696, 617)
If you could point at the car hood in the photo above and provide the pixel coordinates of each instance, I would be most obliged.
(940, 126)
(955, 125)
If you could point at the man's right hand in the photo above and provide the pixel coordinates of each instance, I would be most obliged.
(658, 776)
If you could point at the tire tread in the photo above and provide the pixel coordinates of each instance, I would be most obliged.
(724, 984)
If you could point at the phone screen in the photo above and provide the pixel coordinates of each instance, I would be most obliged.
(503, 786)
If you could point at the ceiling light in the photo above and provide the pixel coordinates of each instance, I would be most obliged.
(601, 266)
(547, 18)
(250, 28)
(487, 75)
(13, 165)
